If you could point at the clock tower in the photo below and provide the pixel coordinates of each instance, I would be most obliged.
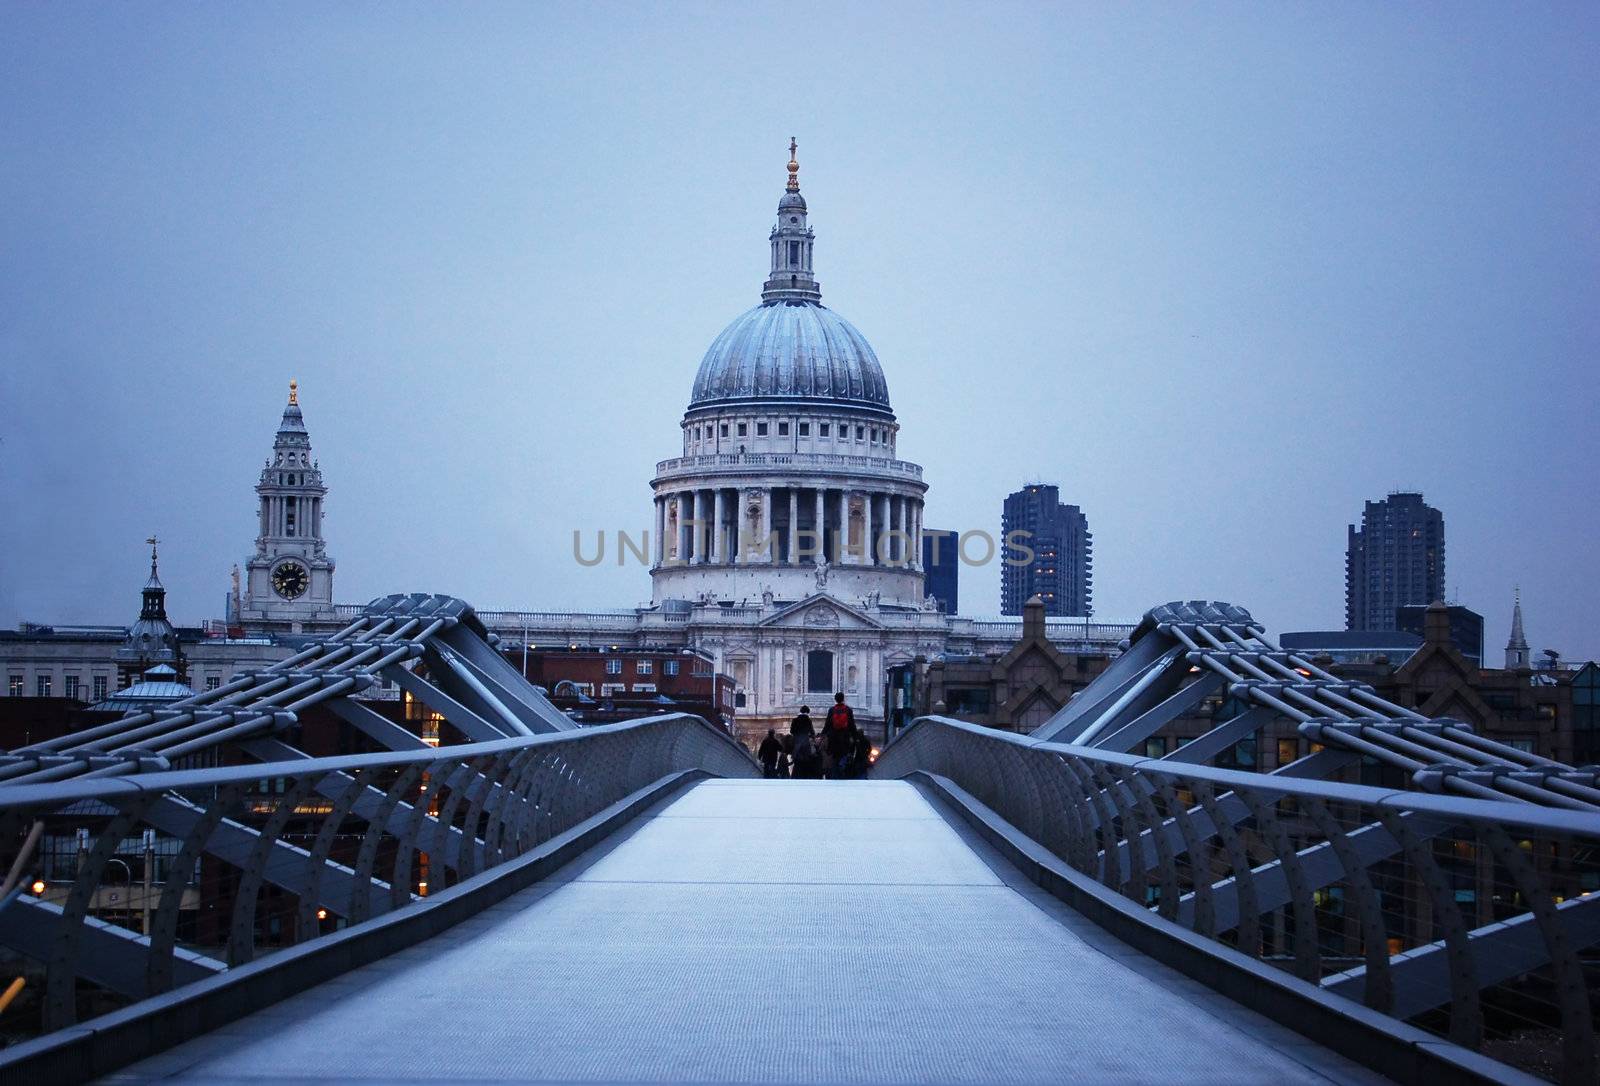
(290, 577)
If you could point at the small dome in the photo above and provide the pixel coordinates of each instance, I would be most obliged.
(791, 350)
(792, 201)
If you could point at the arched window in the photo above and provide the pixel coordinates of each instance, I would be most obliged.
(819, 671)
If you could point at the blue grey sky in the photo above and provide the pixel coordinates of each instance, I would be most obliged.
(1223, 272)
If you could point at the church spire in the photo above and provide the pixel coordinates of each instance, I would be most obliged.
(791, 280)
(1517, 645)
(155, 593)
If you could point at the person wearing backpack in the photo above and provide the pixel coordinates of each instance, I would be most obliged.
(837, 732)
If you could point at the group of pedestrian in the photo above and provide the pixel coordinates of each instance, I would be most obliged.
(837, 750)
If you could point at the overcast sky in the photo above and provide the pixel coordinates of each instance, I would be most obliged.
(1222, 273)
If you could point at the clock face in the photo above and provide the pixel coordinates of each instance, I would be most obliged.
(290, 580)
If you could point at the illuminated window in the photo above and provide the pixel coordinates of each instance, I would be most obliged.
(42, 686)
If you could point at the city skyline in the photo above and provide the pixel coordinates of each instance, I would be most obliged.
(459, 339)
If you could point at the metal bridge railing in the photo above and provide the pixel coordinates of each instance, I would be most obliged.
(164, 878)
(1475, 919)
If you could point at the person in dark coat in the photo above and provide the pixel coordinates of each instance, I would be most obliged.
(861, 758)
(836, 731)
(804, 750)
(770, 753)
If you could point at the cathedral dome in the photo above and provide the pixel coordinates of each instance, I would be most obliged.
(791, 347)
(791, 350)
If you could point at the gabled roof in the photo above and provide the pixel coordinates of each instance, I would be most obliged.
(786, 616)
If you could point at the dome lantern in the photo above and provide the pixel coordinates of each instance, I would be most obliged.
(791, 239)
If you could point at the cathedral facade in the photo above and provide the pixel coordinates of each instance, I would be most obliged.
(785, 552)
(787, 539)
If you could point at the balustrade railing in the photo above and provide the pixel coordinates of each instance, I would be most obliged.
(847, 462)
(1474, 919)
(126, 888)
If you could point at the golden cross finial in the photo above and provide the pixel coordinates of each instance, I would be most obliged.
(294, 391)
(794, 167)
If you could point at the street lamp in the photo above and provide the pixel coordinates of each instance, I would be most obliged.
(127, 876)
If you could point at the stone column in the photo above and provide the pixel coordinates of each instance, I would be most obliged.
(680, 540)
(794, 524)
(844, 526)
(897, 519)
(867, 501)
(658, 541)
(821, 525)
(719, 541)
(767, 554)
(916, 532)
(703, 544)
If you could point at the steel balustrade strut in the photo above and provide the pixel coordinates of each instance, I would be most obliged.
(287, 848)
(1469, 905)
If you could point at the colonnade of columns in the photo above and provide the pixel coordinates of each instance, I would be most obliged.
(787, 526)
(306, 521)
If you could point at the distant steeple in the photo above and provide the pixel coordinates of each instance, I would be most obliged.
(1517, 646)
(155, 593)
(151, 640)
(791, 280)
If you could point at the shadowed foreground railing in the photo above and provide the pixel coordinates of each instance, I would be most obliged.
(127, 888)
(1470, 918)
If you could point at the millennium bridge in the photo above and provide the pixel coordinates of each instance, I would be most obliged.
(537, 901)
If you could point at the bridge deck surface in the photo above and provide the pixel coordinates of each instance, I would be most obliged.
(765, 931)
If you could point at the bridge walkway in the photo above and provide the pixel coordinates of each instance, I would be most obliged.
(765, 931)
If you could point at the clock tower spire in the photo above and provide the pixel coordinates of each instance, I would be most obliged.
(290, 576)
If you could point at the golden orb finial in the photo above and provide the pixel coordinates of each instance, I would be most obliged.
(294, 392)
(794, 167)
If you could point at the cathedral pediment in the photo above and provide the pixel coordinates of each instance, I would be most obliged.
(822, 611)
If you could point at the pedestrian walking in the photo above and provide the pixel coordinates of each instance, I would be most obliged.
(837, 731)
(861, 757)
(771, 753)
